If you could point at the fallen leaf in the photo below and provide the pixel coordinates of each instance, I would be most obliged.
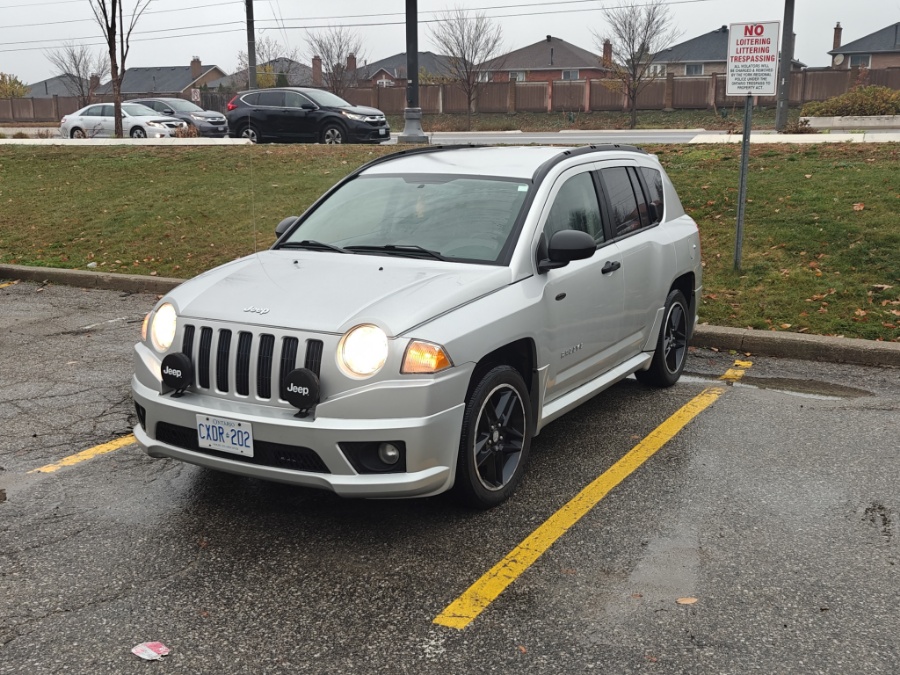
(809, 175)
(522, 649)
(637, 596)
(860, 312)
(859, 206)
(785, 325)
(686, 601)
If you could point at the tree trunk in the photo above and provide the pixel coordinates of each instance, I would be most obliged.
(633, 111)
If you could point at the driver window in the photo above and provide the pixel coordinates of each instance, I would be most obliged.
(576, 208)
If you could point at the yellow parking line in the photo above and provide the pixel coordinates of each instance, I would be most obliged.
(87, 454)
(735, 373)
(462, 611)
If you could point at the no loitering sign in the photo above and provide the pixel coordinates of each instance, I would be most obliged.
(753, 59)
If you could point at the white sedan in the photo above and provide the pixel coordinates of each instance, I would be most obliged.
(98, 120)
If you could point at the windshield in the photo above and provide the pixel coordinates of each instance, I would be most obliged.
(138, 110)
(326, 98)
(182, 106)
(459, 217)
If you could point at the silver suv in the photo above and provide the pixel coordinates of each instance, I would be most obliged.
(420, 323)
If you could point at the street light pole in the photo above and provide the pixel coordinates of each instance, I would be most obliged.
(784, 74)
(251, 46)
(412, 114)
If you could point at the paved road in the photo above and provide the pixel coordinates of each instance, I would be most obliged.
(776, 508)
(637, 136)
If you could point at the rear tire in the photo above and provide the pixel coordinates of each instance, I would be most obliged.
(77, 133)
(495, 439)
(671, 346)
(333, 134)
(250, 133)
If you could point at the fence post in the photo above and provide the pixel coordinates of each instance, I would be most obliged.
(669, 93)
(587, 94)
(55, 106)
(511, 97)
(802, 87)
(440, 102)
(711, 94)
(550, 96)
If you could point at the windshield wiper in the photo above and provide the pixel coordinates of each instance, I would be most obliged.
(409, 250)
(313, 245)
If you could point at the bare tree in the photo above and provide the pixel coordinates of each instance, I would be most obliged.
(110, 15)
(637, 31)
(473, 43)
(339, 48)
(80, 69)
(273, 61)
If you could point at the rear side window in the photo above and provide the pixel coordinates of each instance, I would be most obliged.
(622, 200)
(250, 99)
(653, 181)
(272, 98)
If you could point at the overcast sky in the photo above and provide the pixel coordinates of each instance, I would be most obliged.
(171, 32)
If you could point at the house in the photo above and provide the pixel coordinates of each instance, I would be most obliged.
(63, 85)
(166, 81)
(287, 73)
(703, 55)
(391, 71)
(546, 61)
(880, 49)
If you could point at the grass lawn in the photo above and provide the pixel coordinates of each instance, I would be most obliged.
(821, 243)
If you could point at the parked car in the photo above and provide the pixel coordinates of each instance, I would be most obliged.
(303, 115)
(421, 322)
(98, 120)
(207, 122)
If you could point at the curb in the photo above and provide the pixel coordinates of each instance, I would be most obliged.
(763, 343)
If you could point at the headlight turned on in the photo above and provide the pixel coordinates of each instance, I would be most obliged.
(163, 326)
(363, 351)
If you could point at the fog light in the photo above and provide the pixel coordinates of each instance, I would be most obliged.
(388, 453)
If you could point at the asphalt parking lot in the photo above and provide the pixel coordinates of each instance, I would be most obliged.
(772, 516)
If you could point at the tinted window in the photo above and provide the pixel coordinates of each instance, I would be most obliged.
(93, 111)
(622, 201)
(575, 208)
(294, 100)
(272, 98)
(250, 99)
(108, 111)
(653, 180)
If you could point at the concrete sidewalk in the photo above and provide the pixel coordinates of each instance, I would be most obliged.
(764, 343)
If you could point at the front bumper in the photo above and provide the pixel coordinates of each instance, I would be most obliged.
(431, 437)
(212, 130)
(363, 132)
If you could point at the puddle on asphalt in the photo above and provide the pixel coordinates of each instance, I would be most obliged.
(822, 391)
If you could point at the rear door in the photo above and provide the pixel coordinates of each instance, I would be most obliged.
(582, 303)
(270, 114)
(648, 260)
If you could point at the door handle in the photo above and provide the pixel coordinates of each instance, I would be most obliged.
(611, 266)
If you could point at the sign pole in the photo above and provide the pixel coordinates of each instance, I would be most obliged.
(742, 191)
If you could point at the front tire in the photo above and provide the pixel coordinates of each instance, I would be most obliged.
(333, 134)
(138, 132)
(671, 347)
(495, 440)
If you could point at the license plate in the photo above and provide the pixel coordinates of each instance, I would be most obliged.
(225, 435)
(381, 132)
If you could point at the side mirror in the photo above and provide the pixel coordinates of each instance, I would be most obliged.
(307, 106)
(168, 111)
(566, 246)
(285, 225)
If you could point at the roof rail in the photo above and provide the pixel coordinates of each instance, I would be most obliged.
(544, 168)
(413, 151)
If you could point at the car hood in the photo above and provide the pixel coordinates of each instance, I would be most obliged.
(206, 114)
(360, 110)
(332, 292)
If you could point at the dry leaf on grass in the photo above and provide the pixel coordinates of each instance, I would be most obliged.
(859, 206)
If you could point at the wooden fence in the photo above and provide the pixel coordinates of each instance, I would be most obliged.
(678, 93)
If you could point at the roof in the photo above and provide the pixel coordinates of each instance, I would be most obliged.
(516, 162)
(395, 65)
(61, 85)
(164, 80)
(298, 74)
(885, 40)
(712, 46)
(551, 53)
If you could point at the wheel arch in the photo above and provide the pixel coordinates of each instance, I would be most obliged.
(686, 283)
(520, 354)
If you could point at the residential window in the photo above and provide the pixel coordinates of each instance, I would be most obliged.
(860, 60)
(576, 208)
(570, 74)
(484, 76)
(385, 82)
(517, 76)
(693, 69)
(656, 70)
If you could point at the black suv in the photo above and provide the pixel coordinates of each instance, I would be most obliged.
(208, 123)
(300, 114)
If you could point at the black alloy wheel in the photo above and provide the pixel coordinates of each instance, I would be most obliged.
(671, 347)
(496, 438)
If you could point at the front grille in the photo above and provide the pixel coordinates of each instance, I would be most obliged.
(265, 453)
(256, 364)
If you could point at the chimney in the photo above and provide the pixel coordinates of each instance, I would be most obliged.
(837, 36)
(549, 38)
(351, 62)
(317, 71)
(93, 83)
(607, 54)
(196, 68)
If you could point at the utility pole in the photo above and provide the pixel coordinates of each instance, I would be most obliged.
(251, 46)
(412, 115)
(784, 75)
